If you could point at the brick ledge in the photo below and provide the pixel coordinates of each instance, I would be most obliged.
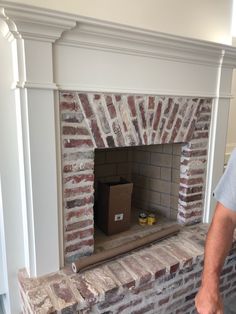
(105, 285)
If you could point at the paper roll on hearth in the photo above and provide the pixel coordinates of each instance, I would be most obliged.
(99, 258)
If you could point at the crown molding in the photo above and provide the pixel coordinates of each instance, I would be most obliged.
(134, 41)
(33, 23)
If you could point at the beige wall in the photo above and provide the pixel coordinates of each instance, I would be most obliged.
(202, 19)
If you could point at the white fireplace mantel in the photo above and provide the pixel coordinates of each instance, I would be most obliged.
(54, 51)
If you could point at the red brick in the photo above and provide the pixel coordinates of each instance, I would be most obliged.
(79, 225)
(153, 265)
(172, 117)
(77, 155)
(143, 288)
(161, 129)
(121, 274)
(70, 130)
(79, 202)
(164, 137)
(77, 143)
(183, 291)
(190, 198)
(78, 167)
(137, 269)
(79, 234)
(151, 102)
(144, 309)
(103, 119)
(72, 117)
(164, 257)
(86, 105)
(131, 104)
(184, 258)
(142, 113)
(69, 105)
(190, 181)
(67, 95)
(82, 178)
(150, 120)
(97, 134)
(118, 133)
(145, 138)
(194, 153)
(191, 190)
(157, 116)
(63, 292)
(79, 245)
(84, 288)
(110, 141)
(184, 308)
(110, 106)
(97, 96)
(168, 107)
(111, 301)
(164, 301)
(200, 135)
(136, 126)
(176, 129)
(78, 213)
(78, 191)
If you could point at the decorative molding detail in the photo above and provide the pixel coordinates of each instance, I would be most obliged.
(134, 41)
(104, 89)
(35, 85)
(33, 23)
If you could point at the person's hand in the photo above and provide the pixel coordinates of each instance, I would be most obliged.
(208, 301)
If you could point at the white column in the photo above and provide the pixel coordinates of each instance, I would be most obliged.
(34, 35)
(218, 132)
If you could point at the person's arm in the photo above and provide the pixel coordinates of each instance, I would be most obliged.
(218, 244)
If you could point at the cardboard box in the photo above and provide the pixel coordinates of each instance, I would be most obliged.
(113, 210)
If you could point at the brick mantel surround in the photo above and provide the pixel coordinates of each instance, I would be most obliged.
(93, 120)
(83, 64)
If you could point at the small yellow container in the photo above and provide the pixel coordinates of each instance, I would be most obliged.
(143, 219)
(151, 219)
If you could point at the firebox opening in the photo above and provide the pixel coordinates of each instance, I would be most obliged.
(154, 172)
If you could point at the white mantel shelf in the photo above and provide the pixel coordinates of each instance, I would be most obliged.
(54, 51)
(74, 31)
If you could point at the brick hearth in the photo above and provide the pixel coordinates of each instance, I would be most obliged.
(92, 121)
(163, 278)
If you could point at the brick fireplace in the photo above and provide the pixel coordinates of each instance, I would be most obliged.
(82, 89)
(92, 121)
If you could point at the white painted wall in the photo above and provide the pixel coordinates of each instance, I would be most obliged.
(202, 19)
(231, 136)
(11, 216)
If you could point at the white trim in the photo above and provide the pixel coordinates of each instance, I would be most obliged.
(59, 181)
(3, 268)
(35, 85)
(33, 23)
(103, 89)
(42, 24)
